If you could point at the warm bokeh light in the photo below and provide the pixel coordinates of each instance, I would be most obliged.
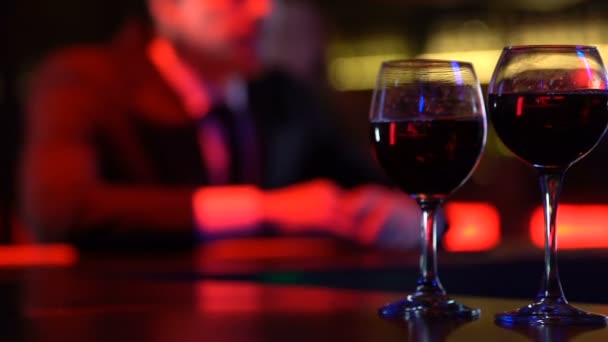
(358, 72)
(483, 61)
(214, 297)
(270, 248)
(354, 64)
(37, 255)
(578, 226)
(473, 227)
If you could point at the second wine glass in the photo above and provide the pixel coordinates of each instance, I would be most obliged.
(549, 107)
(428, 127)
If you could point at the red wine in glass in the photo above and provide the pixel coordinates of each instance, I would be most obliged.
(549, 106)
(428, 127)
(428, 157)
(553, 129)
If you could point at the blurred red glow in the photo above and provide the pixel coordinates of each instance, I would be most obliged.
(260, 8)
(473, 227)
(392, 132)
(578, 226)
(230, 297)
(37, 255)
(271, 248)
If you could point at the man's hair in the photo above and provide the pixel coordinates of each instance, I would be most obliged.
(137, 9)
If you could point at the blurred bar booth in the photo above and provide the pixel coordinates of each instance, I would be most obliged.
(337, 47)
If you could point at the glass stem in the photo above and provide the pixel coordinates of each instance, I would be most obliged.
(551, 182)
(428, 281)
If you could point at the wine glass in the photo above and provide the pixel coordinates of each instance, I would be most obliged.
(549, 106)
(428, 126)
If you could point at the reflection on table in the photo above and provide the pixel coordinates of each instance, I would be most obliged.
(181, 297)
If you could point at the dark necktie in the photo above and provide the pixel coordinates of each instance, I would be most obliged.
(231, 141)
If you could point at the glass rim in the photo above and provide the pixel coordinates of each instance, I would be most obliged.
(549, 47)
(418, 62)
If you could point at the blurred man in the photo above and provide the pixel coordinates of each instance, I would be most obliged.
(156, 138)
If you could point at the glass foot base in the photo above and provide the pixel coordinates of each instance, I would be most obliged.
(542, 313)
(419, 305)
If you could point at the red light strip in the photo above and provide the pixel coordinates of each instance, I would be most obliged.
(37, 255)
(474, 226)
(393, 128)
(520, 105)
(578, 226)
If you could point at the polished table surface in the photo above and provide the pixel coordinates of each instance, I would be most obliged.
(192, 297)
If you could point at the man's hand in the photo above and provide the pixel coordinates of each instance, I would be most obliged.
(384, 218)
(369, 215)
(313, 206)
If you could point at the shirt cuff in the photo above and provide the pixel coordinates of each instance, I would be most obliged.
(227, 210)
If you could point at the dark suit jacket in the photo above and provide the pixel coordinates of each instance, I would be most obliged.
(112, 155)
